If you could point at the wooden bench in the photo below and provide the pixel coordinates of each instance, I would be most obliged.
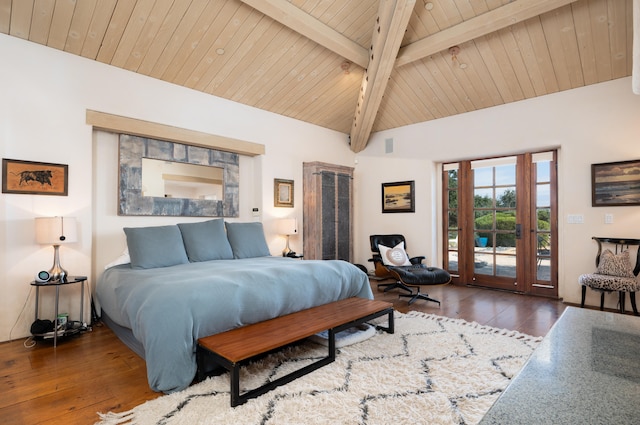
(237, 347)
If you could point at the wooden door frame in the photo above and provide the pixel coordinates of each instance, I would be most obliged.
(526, 246)
(533, 287)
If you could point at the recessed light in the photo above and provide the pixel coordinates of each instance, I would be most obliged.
(428, 6)
(220, 51)
(463, 66)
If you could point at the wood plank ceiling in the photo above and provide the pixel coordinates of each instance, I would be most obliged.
(306, 59)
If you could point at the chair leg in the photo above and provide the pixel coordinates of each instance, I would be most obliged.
(396, 285)
(621, 297)
(632, 297)
(584, 294)
(602, 301)
(418, 296)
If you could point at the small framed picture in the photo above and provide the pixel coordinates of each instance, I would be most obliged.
(615, 184)
(398, 197)
(34, 178)
(283, 193)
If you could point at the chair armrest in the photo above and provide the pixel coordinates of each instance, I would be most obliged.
(417, 260)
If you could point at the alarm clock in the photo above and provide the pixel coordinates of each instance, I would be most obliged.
(43, 276)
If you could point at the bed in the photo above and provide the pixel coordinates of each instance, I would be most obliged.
(192, 280)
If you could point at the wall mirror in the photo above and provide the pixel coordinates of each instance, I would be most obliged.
(172, 179)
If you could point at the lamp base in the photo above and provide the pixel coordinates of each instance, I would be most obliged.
(286, 251)
(57, 273)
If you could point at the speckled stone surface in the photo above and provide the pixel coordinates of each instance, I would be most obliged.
(585, 371)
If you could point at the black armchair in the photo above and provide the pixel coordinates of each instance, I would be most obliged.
(391, 261)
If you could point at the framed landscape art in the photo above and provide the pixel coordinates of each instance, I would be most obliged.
(398, 197)
(615, 184)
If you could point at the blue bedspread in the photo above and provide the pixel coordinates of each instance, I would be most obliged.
(169, 308)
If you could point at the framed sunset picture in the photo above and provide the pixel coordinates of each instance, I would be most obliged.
(615, 184)
(398, 197)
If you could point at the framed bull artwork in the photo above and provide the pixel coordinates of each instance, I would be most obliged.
(34, 178)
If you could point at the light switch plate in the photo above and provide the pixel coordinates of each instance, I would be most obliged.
(575, 218)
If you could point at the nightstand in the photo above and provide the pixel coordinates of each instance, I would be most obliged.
(57, 284)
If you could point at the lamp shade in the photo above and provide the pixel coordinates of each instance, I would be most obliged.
(287, 226)
(56, 230)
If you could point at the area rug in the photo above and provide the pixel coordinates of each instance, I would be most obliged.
(432, 370)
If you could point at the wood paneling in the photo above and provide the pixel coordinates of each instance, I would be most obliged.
(292, 65)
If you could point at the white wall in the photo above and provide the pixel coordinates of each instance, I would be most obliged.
(599, 123)
(45, 94)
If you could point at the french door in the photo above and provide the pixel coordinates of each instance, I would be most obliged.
(500, 222)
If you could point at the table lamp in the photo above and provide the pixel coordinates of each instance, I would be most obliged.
(287, 227)
(56, 231)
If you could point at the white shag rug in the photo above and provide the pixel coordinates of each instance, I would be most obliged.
(432, 370)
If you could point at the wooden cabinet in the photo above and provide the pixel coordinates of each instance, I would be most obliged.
(327, 211)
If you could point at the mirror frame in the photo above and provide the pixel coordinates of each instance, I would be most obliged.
(130, 200)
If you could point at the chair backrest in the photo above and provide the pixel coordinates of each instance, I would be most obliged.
(620, 244)
(386, 240)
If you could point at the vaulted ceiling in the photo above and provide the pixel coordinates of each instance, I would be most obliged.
(352, 66)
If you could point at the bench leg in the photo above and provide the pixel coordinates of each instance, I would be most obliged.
(234, 376)
(621, 297)
(201, 355)
(238, 399)
(584, 294)
(390, 323)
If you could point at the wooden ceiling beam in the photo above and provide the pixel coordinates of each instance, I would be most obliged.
(303, 23)
(481, 25)
(393, 18)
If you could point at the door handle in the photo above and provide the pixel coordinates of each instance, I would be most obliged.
(518, 231)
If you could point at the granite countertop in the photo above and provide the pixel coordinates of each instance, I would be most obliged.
(585, 371)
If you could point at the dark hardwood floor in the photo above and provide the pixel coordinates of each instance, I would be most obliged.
(95, 372)
(500, 309)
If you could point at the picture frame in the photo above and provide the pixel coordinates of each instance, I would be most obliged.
(398, 197)
(283, 193)
(34, 178)
(615, 184)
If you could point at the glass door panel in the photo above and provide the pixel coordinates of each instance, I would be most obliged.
(494, 224)
(451, 217)
(543, 214)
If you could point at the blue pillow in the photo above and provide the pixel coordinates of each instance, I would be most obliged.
(151, 247)
(206, 240)
(247, 240)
